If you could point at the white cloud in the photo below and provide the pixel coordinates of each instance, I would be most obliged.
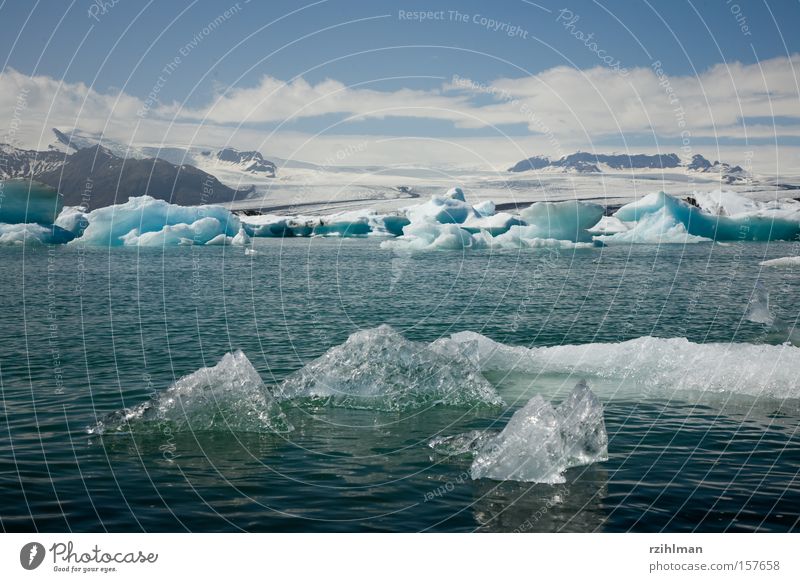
(564, 109)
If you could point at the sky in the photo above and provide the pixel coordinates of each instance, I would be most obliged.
(474, 83)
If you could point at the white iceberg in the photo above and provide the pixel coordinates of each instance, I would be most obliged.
(660, 227)
(378, 369)
(227, 397)
(721, 216)
(143, 220)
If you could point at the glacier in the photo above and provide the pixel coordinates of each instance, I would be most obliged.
(379, 369)
(539, 442)
(229, 396)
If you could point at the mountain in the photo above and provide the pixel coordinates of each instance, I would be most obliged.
(19, 163)
(98, 177)
(247, 162)
(251, 161)
(586, 163)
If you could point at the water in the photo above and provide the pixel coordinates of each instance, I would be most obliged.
(88, 331)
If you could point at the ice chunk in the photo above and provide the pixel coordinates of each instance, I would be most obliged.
(33, 233)
(661, 227)
(758, 310)
(609, 225)
(562, 220)
(440, 209)
(456, 194)
(379, 369)
(25, 201)
(250, 252)
(493, 224)
(199, 232)
(529, 237)
(73, 219)
(485, 208)
(782, 262)
(540, 441)
(649, 365)
(241, 239)
(227, 397)
(424, 236)
(128, 223)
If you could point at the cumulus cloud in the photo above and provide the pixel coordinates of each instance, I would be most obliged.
(566, 105)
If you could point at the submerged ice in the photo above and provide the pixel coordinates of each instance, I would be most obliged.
(229, 396)
(540, 441)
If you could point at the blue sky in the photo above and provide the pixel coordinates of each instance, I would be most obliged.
(124, 47)
(685, 36)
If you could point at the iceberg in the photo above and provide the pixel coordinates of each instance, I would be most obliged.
(378, 369)
(647, 364)
(440, 209)
(229, 396)
(143, 220)
(736, 217)
(540, 441)
(25, 201)
(661, 227)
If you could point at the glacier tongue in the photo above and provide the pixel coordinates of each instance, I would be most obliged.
(539, 443)
(229, 397)
(379, 369)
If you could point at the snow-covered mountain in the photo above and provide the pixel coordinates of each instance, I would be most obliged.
(20, 163)
(251, 161)
(96, 176)
(588, 163)
(227, 159)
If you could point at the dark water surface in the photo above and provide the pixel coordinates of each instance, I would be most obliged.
(89, 331)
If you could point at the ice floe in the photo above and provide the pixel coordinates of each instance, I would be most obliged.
(648, 365)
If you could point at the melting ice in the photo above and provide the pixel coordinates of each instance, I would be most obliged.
(229, 396)
(540, 441)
